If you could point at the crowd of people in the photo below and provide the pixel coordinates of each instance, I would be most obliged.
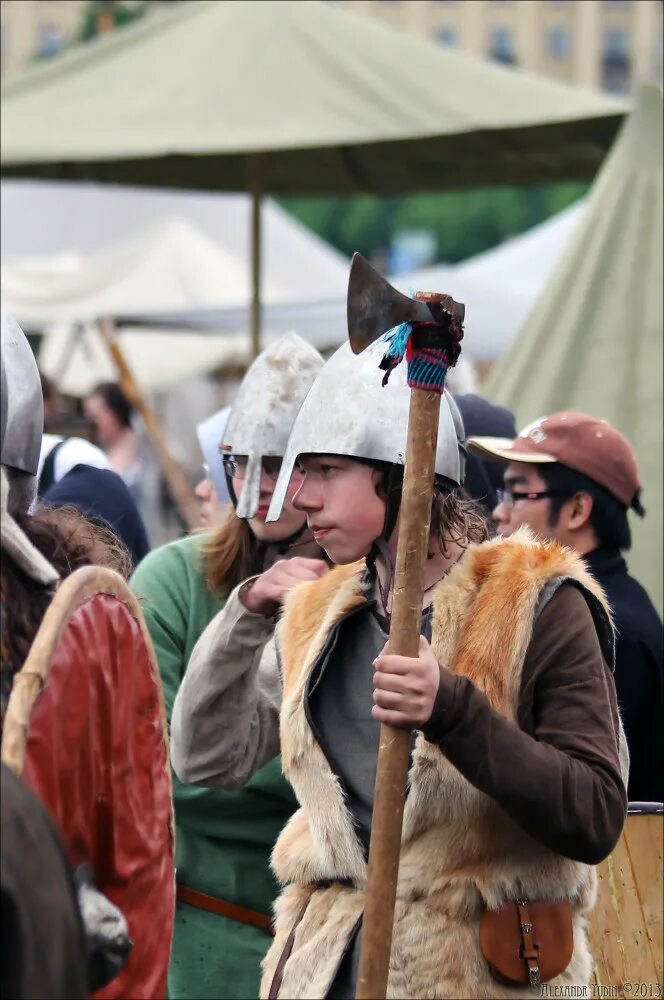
(535, 703)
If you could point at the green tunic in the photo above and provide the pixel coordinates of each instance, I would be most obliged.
(224, 839)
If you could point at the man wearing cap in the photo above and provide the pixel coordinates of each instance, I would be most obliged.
(573, 478)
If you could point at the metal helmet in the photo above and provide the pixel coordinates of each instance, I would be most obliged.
(209, 433)
(348, 412)
(21, 403)
(266, 405)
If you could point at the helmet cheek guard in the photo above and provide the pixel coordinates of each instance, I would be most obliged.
(21, 402)
(265, 407)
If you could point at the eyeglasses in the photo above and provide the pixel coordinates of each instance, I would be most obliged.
(508, 497)
(235, 466)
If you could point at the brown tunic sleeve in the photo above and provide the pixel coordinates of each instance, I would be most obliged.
(557, 772)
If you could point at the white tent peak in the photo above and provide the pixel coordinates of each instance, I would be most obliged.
(500, 286)
(76, 251)
(167, 266)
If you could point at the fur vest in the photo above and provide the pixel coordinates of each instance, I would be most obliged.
(460, 850)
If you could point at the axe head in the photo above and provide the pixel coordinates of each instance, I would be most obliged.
(374, 306)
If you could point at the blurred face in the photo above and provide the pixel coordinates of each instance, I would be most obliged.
(514, 511)
(107, 424)
(290, 520)
(343, 509)
(210, 510)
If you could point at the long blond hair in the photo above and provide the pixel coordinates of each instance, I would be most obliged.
(231, 554)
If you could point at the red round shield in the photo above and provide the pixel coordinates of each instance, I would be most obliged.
(85, 728)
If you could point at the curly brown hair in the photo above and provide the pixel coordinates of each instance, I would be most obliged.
(455, 516)
(68, 540)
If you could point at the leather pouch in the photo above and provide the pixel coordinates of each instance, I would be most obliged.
(527, 942)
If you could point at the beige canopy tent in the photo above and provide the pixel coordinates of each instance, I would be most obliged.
(293, 98)
(593, 341)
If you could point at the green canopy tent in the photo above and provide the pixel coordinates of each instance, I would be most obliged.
(293, 97)
(593, 341)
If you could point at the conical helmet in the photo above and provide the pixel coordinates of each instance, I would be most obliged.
(266, 405)
(21, 401)
(348, 412)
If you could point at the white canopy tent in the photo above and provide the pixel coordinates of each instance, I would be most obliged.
(72, 252)
(498, 287)
(52, 217)
(170, 266)
(501, 285)
(64, 266)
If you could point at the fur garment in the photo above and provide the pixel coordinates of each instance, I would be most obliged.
(460, 850)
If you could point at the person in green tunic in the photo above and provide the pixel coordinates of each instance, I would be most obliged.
(224, 838)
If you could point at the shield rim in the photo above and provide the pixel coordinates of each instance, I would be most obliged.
(83, 584)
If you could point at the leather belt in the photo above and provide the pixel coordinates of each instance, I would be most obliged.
(223, 908)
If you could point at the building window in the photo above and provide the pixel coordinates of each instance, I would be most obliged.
(558, 42)
(50, 40)
(501, 46)
(447, 36)
(616, 60)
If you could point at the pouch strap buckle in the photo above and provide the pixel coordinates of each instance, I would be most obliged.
(529, 948)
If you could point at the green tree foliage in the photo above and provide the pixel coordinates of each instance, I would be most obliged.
(463, 222)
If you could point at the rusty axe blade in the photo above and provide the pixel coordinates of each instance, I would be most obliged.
(374, 306)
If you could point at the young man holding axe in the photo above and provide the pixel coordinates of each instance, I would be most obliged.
(506, 701)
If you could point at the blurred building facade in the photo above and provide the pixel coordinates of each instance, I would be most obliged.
(604, 44)
(36, 29)
(41, 29)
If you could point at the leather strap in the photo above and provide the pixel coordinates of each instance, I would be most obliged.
(223, 908)
(529, 948)
(47, 477)
(285, 955)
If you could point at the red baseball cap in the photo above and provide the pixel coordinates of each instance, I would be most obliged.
(583, 443)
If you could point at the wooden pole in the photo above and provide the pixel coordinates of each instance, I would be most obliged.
(179, 486)
(394, 745)
(256, 178)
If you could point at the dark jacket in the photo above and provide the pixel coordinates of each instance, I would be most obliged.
(43, 944)
(639, 673)
(103, 494)
(484, 419)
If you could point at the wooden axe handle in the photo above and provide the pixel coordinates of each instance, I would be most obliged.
(395, 744)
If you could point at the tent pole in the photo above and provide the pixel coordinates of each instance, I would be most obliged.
(256, 188)
(178, 484)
